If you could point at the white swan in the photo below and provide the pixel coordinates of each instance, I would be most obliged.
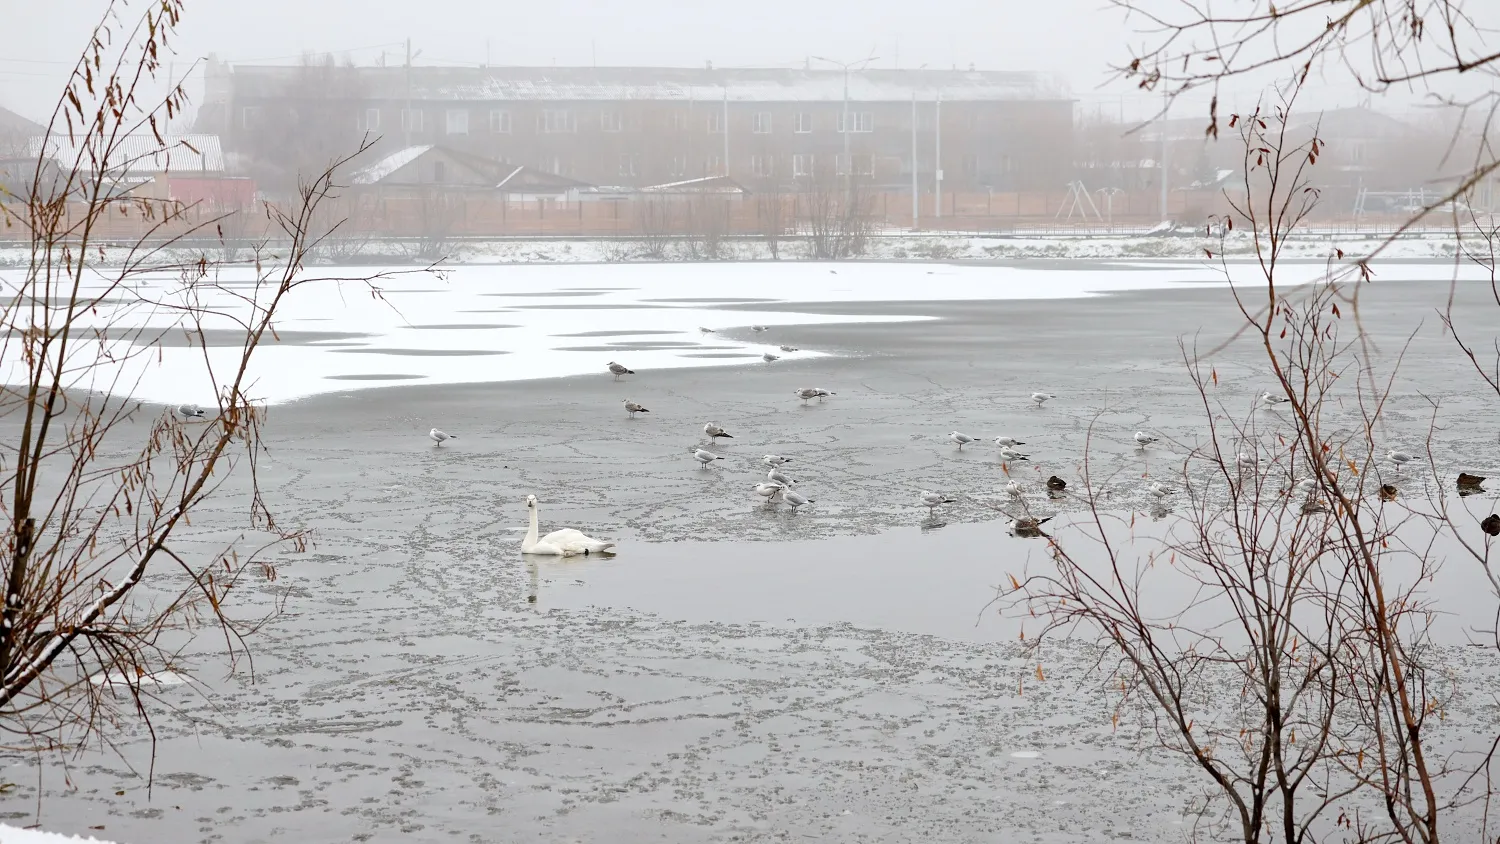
(561, 543)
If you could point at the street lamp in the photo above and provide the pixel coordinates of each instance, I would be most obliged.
(848, 162)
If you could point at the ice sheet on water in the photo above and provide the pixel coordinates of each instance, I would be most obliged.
(409, 336)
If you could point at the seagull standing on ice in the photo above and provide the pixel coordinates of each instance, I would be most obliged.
(1400, 458)
(1010, 455)
(1159, 489)
(775, 460)
(189, 411)
(790, 349)
(1305, 486)
(809, 393)
(1245, 461)
(1270, 399)
(1143, 439)
(439, 437)
(769, 491)
(1040, 398)
(758, 328)
(768, 357)
(795, 499)
(1013, 489)
(932, 500)
(1008, 442)
(960, 440)
(705, 330)
(632, 408)
(775, 477)
(618, 370)
(703, 457)
(713, 432)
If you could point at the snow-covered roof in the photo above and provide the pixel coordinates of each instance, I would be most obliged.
(607, 84)
(388, 165)
(705, 184)
(139, 153)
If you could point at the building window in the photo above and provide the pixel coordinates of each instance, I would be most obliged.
(762, 124)
(557, 120)
(249, 117)
(677, 166)
(713, 166)
(802, 165)
(627, 164)
(555, 165)
(715, 123)
(439, 172)
(677, 121)
(411, 120)
(458, 121)
(500, 121)
(611, 121)
(864, 165)
(1004, 164)
(763, 166)
(803, 124)
(860, 121)
(971, 164)
(369, 121)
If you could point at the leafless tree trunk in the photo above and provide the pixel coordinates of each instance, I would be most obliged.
(838, 216)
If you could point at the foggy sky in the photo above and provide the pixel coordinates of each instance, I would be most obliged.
(1076, 39)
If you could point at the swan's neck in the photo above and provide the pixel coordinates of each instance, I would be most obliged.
(531, 535)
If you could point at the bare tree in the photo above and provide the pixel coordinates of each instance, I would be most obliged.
(100, 588)
(310, 124)
(1275, 636)
(836, 214)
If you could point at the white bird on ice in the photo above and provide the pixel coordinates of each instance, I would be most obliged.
(1159, 489)
(931, 500)
(1010, 455)
(775, 477)
(705, 330)
(1306, 486)
(566, 542)
(632, 408)
(960, 440)
(795, 499)
(1245, 461)
(189, 411)
(439, 437)
(617, 370)
(703, 457)
(1400, 458)
(1013, 489)
(775, 460)
(809, 393)
(1039, 398)
(713, 432)
(768, 357)
(1143, 439)
(758, 328)
(1008, 442)
(1271, 400)
(790, 349)
(769, 491)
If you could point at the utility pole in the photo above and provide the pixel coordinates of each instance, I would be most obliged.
(1166, 104)
(726, 131)
(937, 157)
(916, 200)
(847, 127)
(406, 115)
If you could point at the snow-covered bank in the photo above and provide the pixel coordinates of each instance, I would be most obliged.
(882, 247)
(13, 835)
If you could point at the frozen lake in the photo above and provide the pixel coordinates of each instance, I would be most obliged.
(734, 673)
(478, 324)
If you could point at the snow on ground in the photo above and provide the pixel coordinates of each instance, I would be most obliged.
(12, 835)
(489, 323)
(886, 246)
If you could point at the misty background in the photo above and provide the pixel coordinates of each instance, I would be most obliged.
(1078, 41)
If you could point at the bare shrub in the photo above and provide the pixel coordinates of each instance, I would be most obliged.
(101, 588)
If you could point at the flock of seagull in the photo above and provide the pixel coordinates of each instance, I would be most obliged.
(779, 488)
